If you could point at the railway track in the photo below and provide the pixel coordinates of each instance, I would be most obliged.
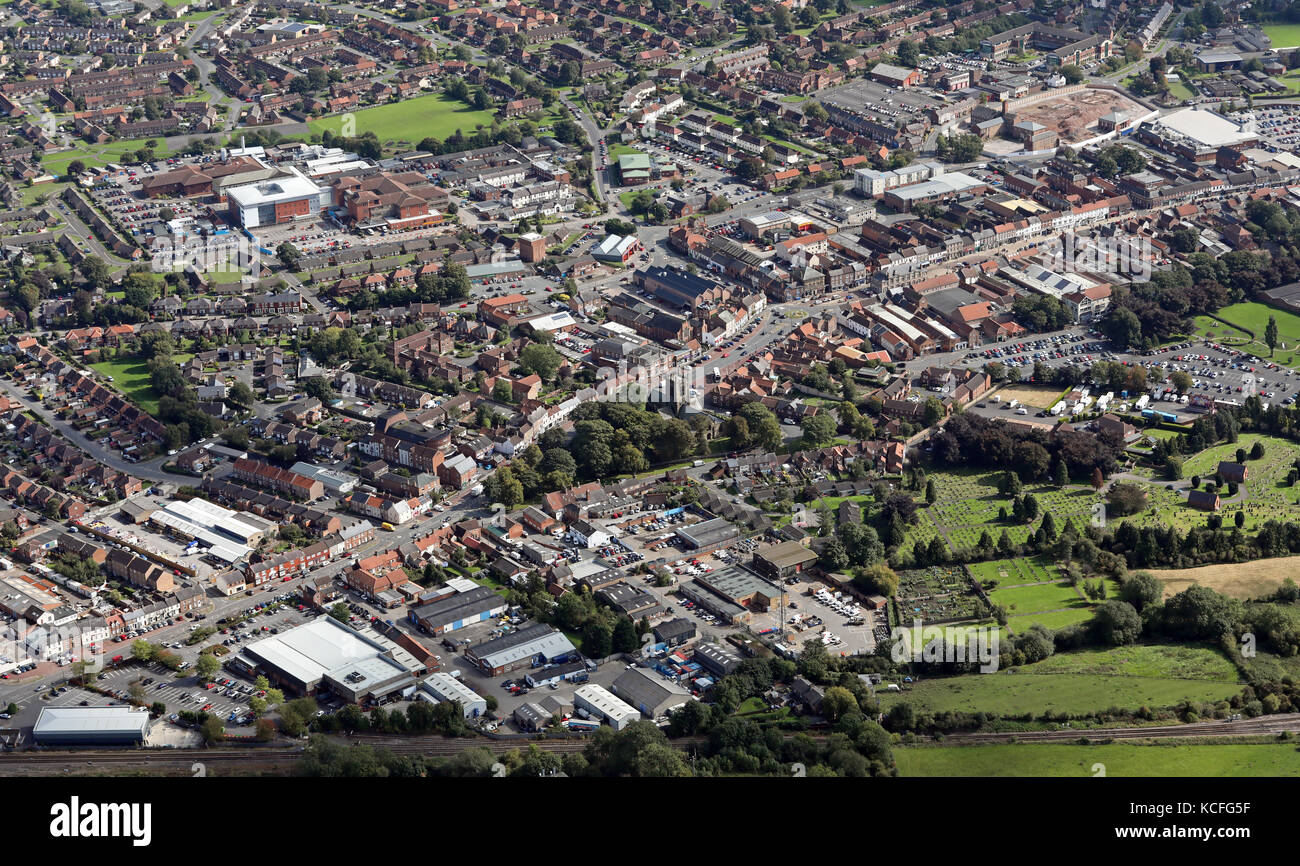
(279, 759)
(1247, 727)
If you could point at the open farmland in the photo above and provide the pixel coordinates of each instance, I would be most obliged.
(1243, 580)
(1120, 759)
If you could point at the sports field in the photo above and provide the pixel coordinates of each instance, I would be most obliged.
(1283, 35)
(411, 120)
(1116, 759)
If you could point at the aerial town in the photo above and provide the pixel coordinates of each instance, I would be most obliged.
(677, 388)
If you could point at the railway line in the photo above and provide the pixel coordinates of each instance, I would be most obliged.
(277, 759)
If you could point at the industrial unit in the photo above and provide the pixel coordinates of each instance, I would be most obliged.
(599, 703)
(98, 726)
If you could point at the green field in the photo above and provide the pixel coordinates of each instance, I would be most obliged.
(1055, 619)
(131, 378)
(1084, 681)
(1253, 317)
(411, 120)
(955, 633)
(1119, 760)
(1283, 35)
(103, 154)
(1174, 661)
(1016, 691)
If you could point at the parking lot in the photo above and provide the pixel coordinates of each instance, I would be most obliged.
(1280, 124)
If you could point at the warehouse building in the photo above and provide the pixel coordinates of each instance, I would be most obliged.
(291, 196)
(94, 726)
(444, 687)
(709, 534)
(783, 560)
(600, 704)
(743, 587)
(654, 696)
(326, 655)
(532, 717)
(946, 186)
(227, 535)
(532, 644)
(715, 659)
(457, 611)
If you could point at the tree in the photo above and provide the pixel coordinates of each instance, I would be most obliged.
(597, 640)
(142, 650)
(1142, 589)
(818, 430)
(1060, 471)
(1073, 74)
(1270, 334)
(931, 495)
(206, 666)
(241, 395)
(908, 54)
(540, 359)
(1117, 623)
(624, 638)
(1181, 380)
(288, 255)
(838, 702)
(1098, 480)
(213, 731)
(339, 612)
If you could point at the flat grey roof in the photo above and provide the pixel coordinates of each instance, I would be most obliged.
(91, 720)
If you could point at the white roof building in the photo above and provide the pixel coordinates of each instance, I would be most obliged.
(600, 702)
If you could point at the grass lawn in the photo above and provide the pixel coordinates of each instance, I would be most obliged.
(617, 150)
(1120, 759)
(1283, 35)
(103, 154)
(1178, 89)
(1267, 495)
(1054, 619)
(1038, 597)
(51, 191)
(1253, 317)
(627, 195)
(410, 121)
(1017, 691)
(131, 378)
(1175, 661)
